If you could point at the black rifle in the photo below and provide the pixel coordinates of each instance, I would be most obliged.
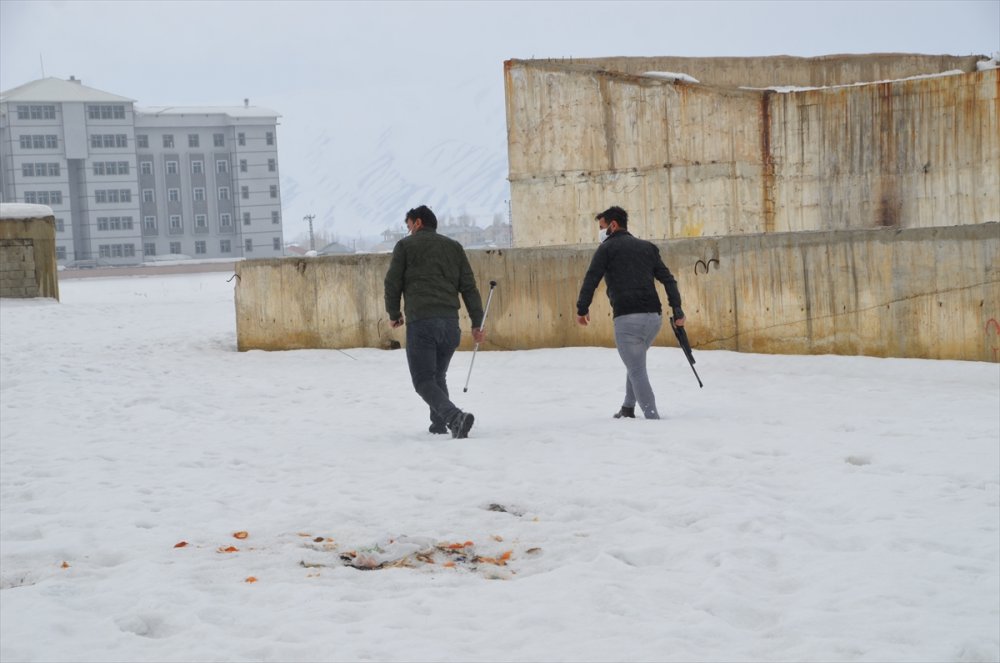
(682, 339)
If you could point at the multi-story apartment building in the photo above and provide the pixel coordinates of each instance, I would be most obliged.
(127, 183)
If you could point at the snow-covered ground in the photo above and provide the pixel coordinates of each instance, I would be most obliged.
(795, 509)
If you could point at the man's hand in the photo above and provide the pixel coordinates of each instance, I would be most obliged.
(479, 334)
(397, 323)
(583, 320)
(679, 322)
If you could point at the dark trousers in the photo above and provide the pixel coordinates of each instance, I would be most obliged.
(430, 345)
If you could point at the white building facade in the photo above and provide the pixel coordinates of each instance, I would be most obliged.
(129, 184)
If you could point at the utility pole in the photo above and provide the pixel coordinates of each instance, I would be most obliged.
(312, 240)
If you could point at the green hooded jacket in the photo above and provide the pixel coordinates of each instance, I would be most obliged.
(429, 271)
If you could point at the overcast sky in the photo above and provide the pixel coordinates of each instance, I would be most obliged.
(398, 64)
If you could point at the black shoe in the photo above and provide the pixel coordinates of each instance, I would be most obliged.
(460, 424)
(438, 429)
(625, 413)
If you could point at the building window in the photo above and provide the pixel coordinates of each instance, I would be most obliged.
(100, 141)
(219, 140)
(243, 165)
(274, 190)
(223, 193)
(60, 253)
(245, 192)
(199, 193)
(174, 195)
(60, 225)
(276, 243)
(147, 196)
(146, 167)
(36, 112)
(226, 220)
(149, 249)
(248, 245)
(225, 246)
(269, 138)
(222, 166)
(149, 223)
(192, 140)
(95, 112)
(142, 140)
(168, 140)
(171, 167)
(40, 170)
(175, 222)
(272, 165)
(246, 218)
(200, 221)
(275, 217)
(197, 167)
(175, 247)
(111, 167)
(38, 141)
(102, 223)
(241, 138)
(199, 246)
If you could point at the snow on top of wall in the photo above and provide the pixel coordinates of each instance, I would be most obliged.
(671, 76)
(795, 88)
(23, 211)
(992, 63)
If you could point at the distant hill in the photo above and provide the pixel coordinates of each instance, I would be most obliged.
(359, 174)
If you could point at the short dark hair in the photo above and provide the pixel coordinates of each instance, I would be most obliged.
(425, 214)
(614, 213)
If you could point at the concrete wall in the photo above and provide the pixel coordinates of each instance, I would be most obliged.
(698, 160)
(930, 293)
(28, 257)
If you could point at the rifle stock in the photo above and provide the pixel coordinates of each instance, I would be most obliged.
(682, 340)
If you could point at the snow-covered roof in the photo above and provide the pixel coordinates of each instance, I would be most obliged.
(24, 211)
(58, 90)
(231, 111)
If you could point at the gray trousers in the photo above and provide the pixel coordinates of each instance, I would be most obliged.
(634, 333)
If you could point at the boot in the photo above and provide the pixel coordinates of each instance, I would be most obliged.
(460, 424)
(625, 413)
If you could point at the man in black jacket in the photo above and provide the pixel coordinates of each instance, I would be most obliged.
(629, 266)
(430, 271)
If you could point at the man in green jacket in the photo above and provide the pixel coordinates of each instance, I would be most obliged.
(429, 271)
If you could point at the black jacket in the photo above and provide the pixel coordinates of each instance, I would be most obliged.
(429, 271)
(629, 265)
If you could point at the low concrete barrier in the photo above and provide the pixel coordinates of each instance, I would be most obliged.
(923, 292)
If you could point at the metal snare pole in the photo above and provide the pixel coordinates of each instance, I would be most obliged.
(486, 312)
